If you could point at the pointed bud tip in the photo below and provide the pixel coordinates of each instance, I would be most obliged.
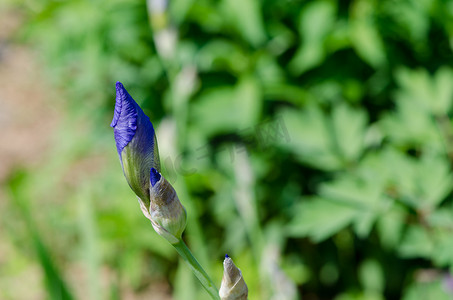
(120, 90)
(154, 176)
(125, 118)
(118, 103)
(233, 286)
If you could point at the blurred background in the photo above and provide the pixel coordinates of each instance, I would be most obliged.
(312, 141)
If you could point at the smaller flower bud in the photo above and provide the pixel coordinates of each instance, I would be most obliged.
(166, 212)
(233, 286)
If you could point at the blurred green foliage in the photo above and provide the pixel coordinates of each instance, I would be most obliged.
(312, 141)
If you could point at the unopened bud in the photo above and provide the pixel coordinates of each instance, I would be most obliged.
(137, 148)
(166, 212)
(233, 286)
(136, 143)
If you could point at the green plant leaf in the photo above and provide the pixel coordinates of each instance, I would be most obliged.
(371, 276)
(417, 242)
(390, 226)
(316, 21)
(245, 16)
(349, 126)
(411, 126)
(365, 37)
(430, 289)
(228, 109)
(362, 194)
(310, 138)
(319, 219)
(434, 94)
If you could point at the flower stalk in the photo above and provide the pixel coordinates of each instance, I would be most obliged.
(197, 269)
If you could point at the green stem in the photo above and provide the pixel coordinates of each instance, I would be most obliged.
(197, 269)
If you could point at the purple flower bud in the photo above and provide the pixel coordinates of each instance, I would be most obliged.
(137, 147)
(136, 143)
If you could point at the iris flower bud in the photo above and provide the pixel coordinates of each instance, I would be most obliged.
(137, 148)
(167, 214)
(233, 286)
(136, 143)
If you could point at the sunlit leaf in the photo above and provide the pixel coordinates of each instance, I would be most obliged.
(245, 16)
(349, 127)
(372, 276)
(417, 242)
(434, 288)
(365, 37)
(316, 21)
(310, 138)
(319, 219)
(228, 109)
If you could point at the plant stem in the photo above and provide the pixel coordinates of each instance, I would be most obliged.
(197, 269)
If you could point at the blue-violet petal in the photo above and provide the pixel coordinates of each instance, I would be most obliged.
(154, 176)
(125, 118)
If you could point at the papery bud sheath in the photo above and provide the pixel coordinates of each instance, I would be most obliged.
(167, 214)
(233, 286)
